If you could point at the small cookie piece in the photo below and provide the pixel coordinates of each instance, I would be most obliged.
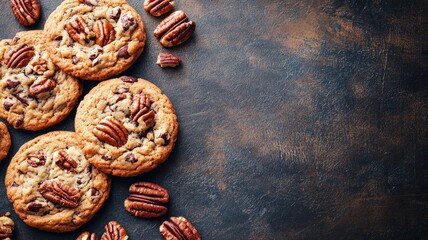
(34, 93)
(6, 227)
(114, 231)
(128, 125)
(5, 141)
(51, 184)
(94, 39)
(178, 228)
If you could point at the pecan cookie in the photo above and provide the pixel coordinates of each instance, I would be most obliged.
(51, 184)
(34, 93)
(5, 141)
(129, 126)
(94, 39)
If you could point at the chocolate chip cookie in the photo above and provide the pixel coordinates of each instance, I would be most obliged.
(34, 93)
(94, 39)
(128, 125)
(51, 184)
(5, 141)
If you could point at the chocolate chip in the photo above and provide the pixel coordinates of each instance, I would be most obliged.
(93, 56)
(106, 157)
(129, 79)
(88, 169)
(7, 105)
(127, 22)
(58, 38)
(12, 84)
(22, 100)
(166, 137)
(114, 13)
(131, 158)
(34, 206)
(75, 60)
(94, 192)
(90, 2)
(123, 52)
(18, 122)
(15, 39)
(14, 184)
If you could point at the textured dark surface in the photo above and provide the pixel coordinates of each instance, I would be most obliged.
(298, 120)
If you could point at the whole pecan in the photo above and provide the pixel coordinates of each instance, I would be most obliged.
(114, 231)
(26, 11)
(65, 162)
(179, 228)
(79, 31)
(140, 108)
(168, 60)
(58, 192)
(36, 159)
(175, 29)
(104, 32)
(41, 86)
(40, 66)
(87, 236)
(19, 56)
(111, 131)
(147, 200)
(6, 226)
(158, 7)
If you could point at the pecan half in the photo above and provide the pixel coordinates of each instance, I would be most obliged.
(87, 236)
(6, 226)
(58, 192)
(44, 85)
(19, 56)
(65, 162)
(114, 231)
(26, 11)
(36, 159)
(79, 31)
(147, 200)
(140, 109)
(104, 32)
(40, 66)
(179, 228)
(168, 60)
(111, 131)
(158, 7)
(175, 29)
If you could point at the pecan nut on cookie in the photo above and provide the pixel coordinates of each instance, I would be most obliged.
(94, 39)
(34, 93)
(128, 125)
(51, 184)
(5, 141)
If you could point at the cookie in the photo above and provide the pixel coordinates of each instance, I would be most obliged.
(128, 125)
(34, 93)
(94, 39)
(51, 184)
(5, 141)
(6, 227)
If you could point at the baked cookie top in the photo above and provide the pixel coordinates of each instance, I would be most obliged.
(5, 141)
(51, 184)
(34, 93)
(128, 125)
(94, 39)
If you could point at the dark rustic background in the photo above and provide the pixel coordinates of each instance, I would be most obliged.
(298, 120)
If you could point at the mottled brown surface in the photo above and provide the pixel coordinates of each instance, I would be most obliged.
(298, 120)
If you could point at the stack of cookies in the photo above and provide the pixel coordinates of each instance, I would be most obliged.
(124, 126)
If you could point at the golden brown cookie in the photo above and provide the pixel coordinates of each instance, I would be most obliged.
(94, 39)
(128, 125)
(51, 184)
(34, 93)
(6, 227)
(5, 141)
